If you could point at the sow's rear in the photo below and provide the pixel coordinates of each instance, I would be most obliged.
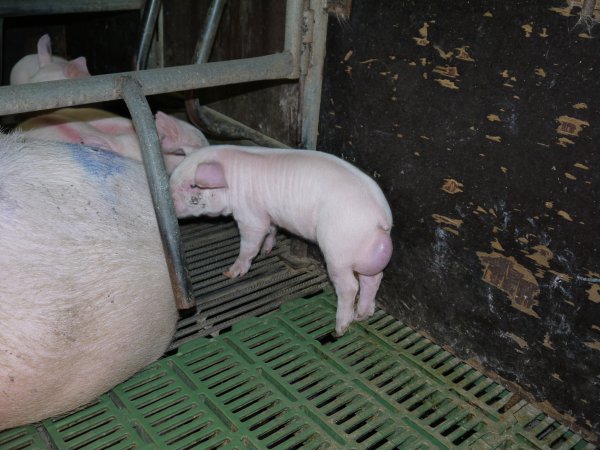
(85, 296)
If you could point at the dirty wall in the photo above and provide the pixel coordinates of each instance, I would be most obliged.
(480, 120)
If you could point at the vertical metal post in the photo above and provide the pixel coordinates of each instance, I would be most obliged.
(313, 73)
(158, 182)
(149, 16)
(293, 31)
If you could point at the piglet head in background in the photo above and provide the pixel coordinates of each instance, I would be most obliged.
(43, 66)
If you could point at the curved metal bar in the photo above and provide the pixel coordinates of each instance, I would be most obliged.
(149, 16)
(158, 182)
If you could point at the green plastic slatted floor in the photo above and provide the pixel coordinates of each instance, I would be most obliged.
(284, 381)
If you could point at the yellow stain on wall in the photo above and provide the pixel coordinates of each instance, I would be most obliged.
(580, 106)
(493, 138)
(422, 40)
(544, 33)
(444, 220)
(512, 278)
(549, 205)
(442, 53)
(547, 342)
(593, 293)
(570, 126)
(570, 176)
(566, 11)
(593, 345)
(564, 142)
(463, 54)
(540, 72)
(496, 245)
(487, 14)
(493, 118)
(452, 186)
(446, 83)
(562, 276)
(447, 71)
(581, 166)
(528, 29)
(541, 255)
(565, 215)
(519, 340)
(505, 74)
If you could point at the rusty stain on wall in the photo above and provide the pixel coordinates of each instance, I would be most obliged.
(493, 118)
(547, 342)
(519, 340)
(463, 54)
(565, 215)
(549, 205)
(512, 278)
(564, 142)
(447, 71)
(442, 53)
(540, 72)
(570, 126)
(452, 186)
(593, 345)
(422, 40)
(447, 220)
(542, 255)
(446, 83)
(593, 293)
(496, 245)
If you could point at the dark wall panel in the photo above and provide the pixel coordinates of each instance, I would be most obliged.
(479, 121)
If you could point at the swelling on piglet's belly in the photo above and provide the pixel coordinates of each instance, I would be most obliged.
(312, 194)
(85, 295)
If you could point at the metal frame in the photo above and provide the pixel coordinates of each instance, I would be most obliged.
(133, 86)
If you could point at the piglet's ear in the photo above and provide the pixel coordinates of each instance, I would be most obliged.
(44, 49)
(210, 176)
(77, 68)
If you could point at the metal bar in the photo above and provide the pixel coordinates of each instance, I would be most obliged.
(209, 31)
(312, 82)
(158, 183)
(149, 16)
(15, 8)
(203, 118)
(58, 94)
(223, 125)
(293, 32)
(194, 110)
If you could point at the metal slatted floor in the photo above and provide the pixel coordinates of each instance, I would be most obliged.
(284, 382)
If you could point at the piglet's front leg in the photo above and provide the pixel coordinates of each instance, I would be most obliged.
(252, 236)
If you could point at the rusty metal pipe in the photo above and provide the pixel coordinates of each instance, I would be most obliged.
(158, 183)
(99, 88)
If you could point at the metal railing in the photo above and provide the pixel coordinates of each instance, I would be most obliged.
(132, 87)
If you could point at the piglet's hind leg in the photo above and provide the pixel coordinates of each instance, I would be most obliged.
(366, 297)
(346, 287)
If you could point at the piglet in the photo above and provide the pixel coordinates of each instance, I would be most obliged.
(102, 129)
(85, 294)
(46, 67)
(311, 194)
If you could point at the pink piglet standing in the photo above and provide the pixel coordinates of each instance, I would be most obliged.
(43, 66)
(312, 194)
